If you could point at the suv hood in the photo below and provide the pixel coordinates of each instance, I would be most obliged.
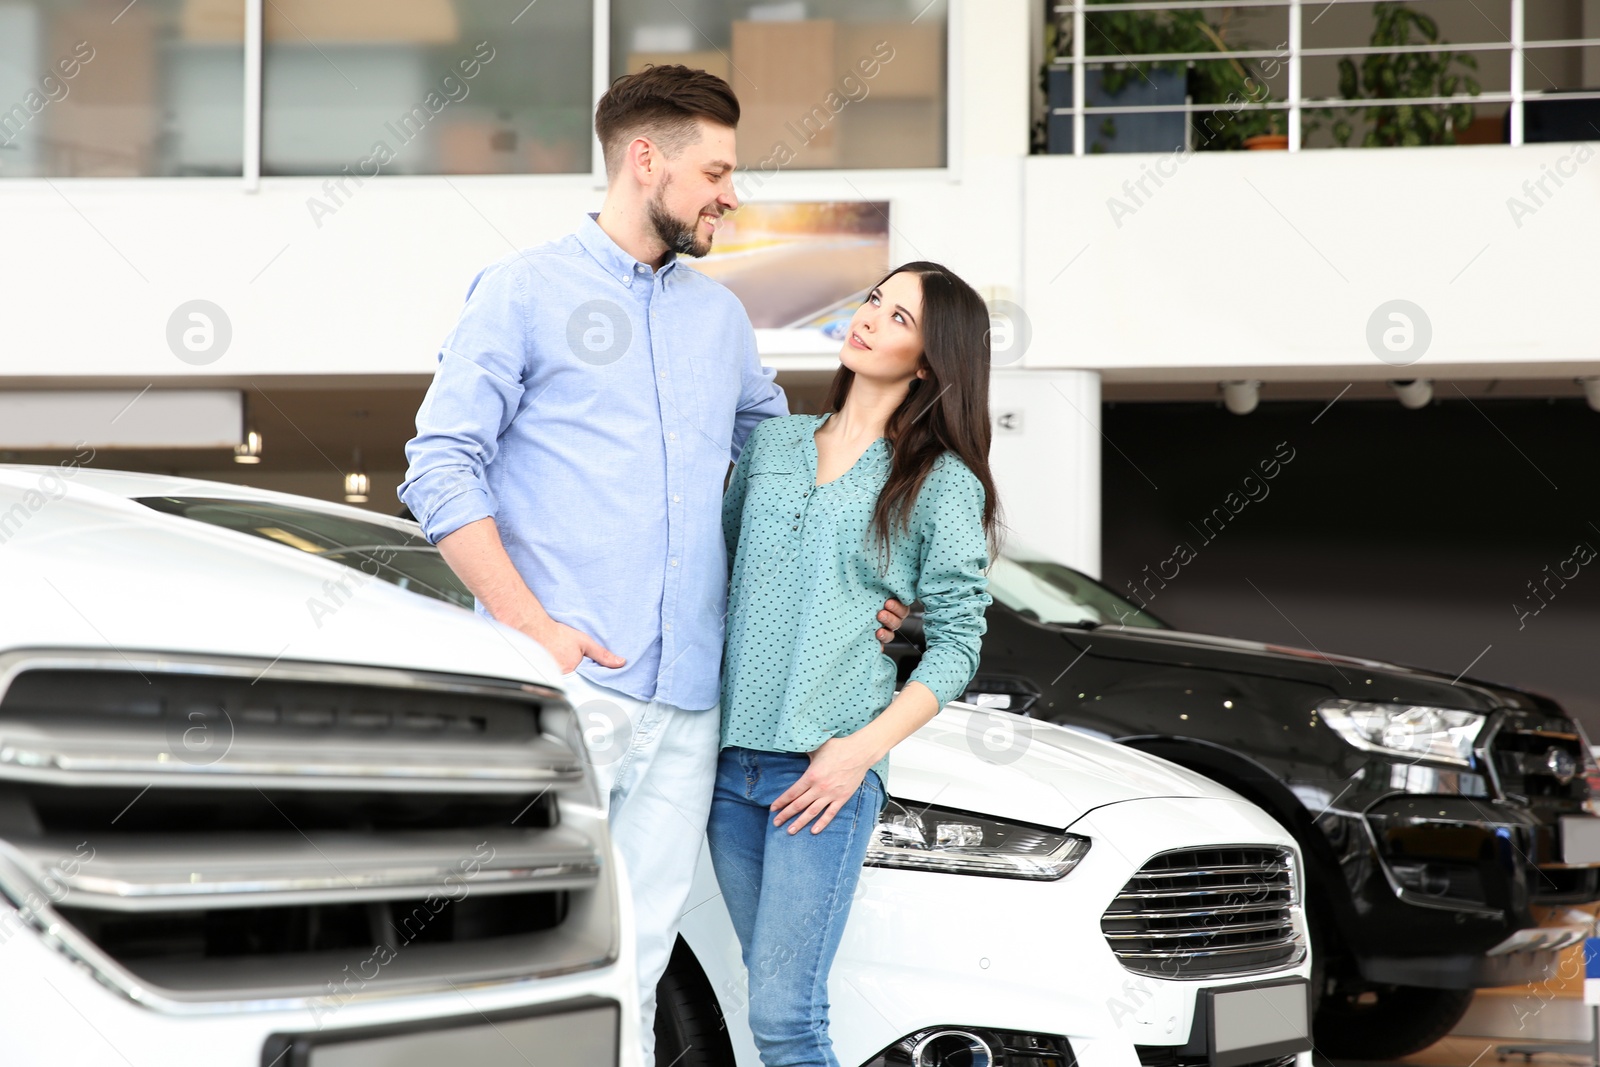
(1343, 676)
(998, 763)
(83, 568)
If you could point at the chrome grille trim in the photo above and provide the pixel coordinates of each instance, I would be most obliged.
(1160, 923)
(159, 662)
(1157, 954)
(64, 740)
(138, 749)
(64, 755)
(261, 870)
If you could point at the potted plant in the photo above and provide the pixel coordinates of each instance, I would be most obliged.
(1107, 84)
(1394, 76)
(1233, 85)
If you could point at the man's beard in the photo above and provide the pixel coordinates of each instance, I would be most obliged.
(676, 234)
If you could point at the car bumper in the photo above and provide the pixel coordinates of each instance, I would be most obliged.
(925, 950)
(593, 1014)
(1461, 883)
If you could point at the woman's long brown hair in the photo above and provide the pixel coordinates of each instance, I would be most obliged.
(948, 411)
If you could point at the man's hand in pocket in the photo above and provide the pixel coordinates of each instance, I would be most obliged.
(571, 647)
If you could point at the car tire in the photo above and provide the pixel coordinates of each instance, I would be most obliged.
(689, 1028)
(1386, 1022)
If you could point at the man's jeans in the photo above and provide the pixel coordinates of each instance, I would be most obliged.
(788, 896)
(655, 765)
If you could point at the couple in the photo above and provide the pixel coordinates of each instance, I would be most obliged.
(579, 493)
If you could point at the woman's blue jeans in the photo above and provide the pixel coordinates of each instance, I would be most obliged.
(788, 896)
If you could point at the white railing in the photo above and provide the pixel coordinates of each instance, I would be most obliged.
(1293, 53)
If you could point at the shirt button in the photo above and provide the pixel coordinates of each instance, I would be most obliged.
(663, 374)
(673, 562)
(676, 498)
(671, 436)
(667, 627)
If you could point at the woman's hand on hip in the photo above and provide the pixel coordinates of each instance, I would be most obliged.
(836, 772)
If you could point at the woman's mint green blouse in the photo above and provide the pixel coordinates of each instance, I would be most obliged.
(802, 662)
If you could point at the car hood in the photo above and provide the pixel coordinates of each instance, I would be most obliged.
(1006, 765)
(87, 569)
(1344, 676)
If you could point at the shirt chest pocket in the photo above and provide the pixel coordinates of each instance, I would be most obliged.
(775, 503)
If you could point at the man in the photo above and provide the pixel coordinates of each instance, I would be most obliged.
(569, 463)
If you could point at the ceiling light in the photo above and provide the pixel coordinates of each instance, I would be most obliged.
(250, 450)
(1414, 393)
(356, 484)
(1241, 398)
(1591, 391)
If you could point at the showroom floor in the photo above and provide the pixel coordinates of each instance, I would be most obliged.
(1469, 1052)
(1481, 1052)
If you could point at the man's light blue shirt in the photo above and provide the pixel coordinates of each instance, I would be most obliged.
(591, 406)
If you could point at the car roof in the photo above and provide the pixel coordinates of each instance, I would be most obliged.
(131, 485)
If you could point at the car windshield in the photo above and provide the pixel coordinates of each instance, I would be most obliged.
(398, 556)
(1049, 592)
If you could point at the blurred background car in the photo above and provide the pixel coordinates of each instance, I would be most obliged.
(1447, 823)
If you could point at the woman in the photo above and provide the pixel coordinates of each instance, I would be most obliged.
(888, 494)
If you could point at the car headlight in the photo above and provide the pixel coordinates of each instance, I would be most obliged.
(932, 839)
(1415, 731)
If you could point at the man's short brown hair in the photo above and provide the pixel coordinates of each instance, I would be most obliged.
(662, 103)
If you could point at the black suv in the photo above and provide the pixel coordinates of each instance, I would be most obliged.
(1434, 813)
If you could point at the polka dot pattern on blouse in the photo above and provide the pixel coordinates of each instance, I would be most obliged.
(802, 661)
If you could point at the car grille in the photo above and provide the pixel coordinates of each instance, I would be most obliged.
(1539, 757)
(1207, 912)
(209, 834)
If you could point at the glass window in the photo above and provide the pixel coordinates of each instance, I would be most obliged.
(398, 555)
(94, 89)
(1049, 592)
(821, 83)
(367, 87)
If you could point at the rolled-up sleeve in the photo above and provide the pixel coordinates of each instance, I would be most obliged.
(951, 583)
(474, 395)
(760, 395)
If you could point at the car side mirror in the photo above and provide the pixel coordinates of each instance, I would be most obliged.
(1009, 694)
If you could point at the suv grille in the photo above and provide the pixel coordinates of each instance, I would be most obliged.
(210, 834)
(1540, 757)
(1206, 912)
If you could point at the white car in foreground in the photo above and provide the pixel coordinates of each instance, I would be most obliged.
(1034, 898)
(258, 810)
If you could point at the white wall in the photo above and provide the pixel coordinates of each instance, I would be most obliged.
(1046, 461)
(1274, 262)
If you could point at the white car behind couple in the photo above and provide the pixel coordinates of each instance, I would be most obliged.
(258, 807)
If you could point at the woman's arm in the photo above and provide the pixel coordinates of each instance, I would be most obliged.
(952, 587)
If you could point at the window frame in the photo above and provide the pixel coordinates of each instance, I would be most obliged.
(601, 80)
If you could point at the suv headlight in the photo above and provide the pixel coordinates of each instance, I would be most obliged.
(1415, 731)
(933, 839)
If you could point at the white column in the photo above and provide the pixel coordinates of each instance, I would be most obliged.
(1079, 46)
(252, 95)
(1518, 81)
(1590, 27)
(1046, 461)
(1295, 89)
